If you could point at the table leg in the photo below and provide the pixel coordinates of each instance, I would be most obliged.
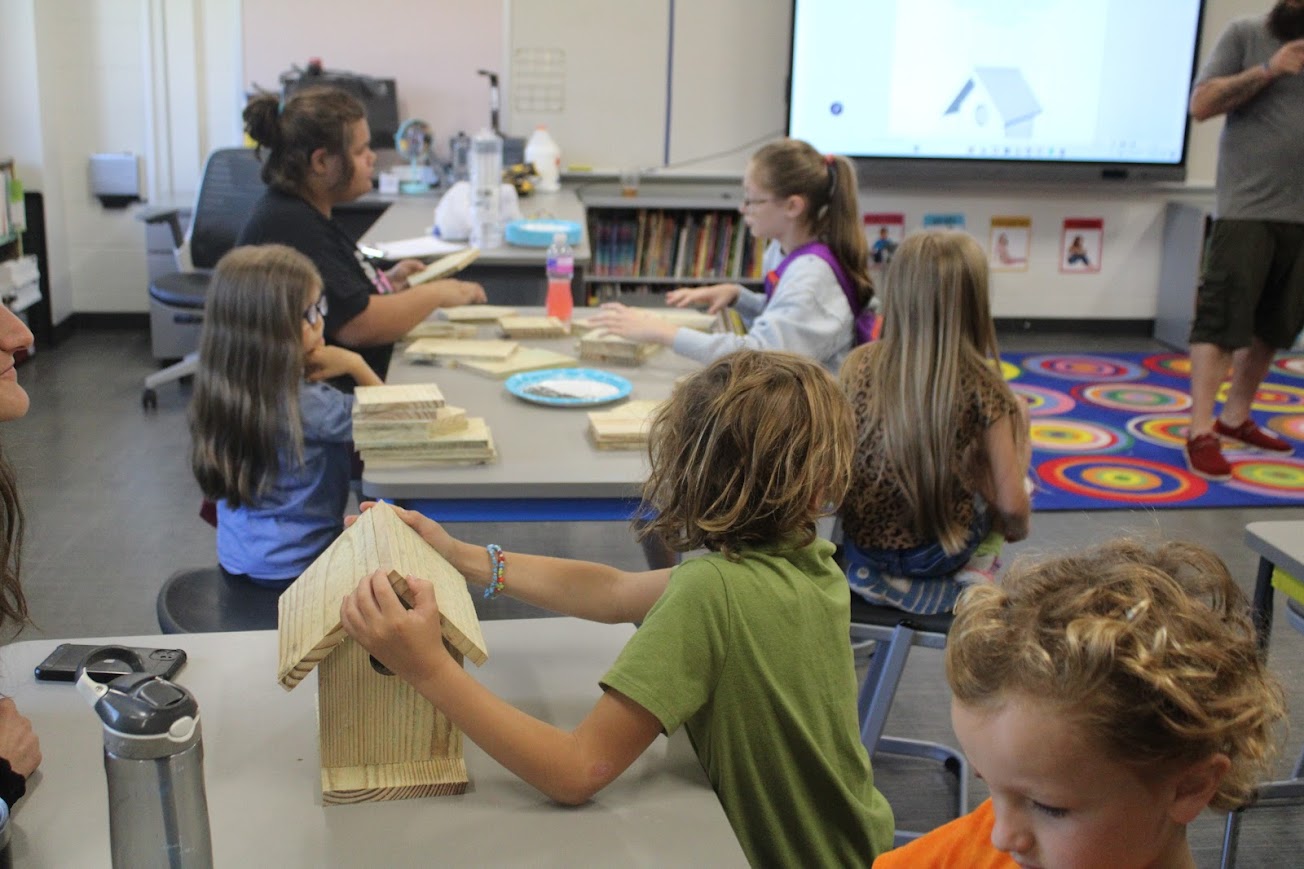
(1262, 604)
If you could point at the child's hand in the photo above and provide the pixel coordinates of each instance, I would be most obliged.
(454, 292)
(430, 530)
(716, 297)
(327, 360)
(407, 641)
(634, 324)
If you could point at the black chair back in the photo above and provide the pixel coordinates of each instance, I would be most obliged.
(231, 185)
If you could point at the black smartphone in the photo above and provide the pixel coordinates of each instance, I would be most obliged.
(62, 663)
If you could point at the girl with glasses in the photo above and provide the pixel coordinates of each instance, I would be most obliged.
(271, 442)
(817, 284)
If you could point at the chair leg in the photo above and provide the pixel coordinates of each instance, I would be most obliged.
(880, 685)
(1231, 837)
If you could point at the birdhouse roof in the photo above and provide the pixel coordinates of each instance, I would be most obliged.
(309, 610)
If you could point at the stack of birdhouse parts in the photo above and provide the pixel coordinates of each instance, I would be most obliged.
(599, 345)
(409, 424)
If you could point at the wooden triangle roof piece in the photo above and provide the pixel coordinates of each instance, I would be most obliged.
(309, 610)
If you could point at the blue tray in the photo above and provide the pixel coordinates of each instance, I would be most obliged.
(538, 232)
(520, 385)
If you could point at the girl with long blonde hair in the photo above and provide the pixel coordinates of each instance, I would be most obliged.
(942, 449)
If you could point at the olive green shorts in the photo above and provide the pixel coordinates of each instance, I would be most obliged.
(1251, 284)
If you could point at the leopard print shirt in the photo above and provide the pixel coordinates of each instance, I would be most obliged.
(873, 513)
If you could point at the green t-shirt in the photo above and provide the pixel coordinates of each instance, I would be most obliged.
(753, 658)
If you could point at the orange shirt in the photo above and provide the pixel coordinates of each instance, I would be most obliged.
(965, 842)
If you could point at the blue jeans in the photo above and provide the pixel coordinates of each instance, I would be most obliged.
(927, 568)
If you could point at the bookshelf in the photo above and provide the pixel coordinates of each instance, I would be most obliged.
(667, 236)
(21, 277)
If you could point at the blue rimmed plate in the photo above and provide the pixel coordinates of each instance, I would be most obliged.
(568, 387)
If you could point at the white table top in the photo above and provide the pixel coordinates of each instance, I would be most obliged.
(543, 452)
(263, 780)
(411, 217)
(1281, 542)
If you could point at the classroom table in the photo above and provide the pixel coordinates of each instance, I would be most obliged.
(1279, 545)
(547, 468)
(263, 779)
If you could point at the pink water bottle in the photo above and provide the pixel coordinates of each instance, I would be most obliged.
(560, 301)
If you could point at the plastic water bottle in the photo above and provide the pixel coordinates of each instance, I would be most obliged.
(154, 762)
(542, 151)
(561, 275)
(459, 148)
(486, 189)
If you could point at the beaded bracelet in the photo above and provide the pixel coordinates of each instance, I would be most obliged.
(497, 564)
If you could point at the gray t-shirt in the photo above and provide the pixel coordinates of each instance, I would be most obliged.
(1261, 152)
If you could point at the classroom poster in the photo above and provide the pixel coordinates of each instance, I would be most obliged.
(1010, 244)
(884, 232)
(1081, 245)
(943, 221)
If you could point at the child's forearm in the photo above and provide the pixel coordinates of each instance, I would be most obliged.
(542, 755)
(583, 589)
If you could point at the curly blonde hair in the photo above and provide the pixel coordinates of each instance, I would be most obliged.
(1149, 647)
(750, 450)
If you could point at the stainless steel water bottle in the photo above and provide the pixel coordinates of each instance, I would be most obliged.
(154, 762)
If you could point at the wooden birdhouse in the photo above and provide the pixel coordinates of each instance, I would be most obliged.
(380, 739)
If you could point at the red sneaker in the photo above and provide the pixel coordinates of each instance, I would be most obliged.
(1205, 459)
(1249, 433)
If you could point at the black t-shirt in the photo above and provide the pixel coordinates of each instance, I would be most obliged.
(348, 277)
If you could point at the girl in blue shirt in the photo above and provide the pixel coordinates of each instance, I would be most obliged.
(270, 443)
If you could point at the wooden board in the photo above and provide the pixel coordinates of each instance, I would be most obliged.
(472, 442)
(379, 738)
(688, 318)
(397, 401)
(604, 346)
(445, 266)
(309, 610)
(443, 329)
(524, 359)
(624, 427)
(440, 349)
(368, 432)
(532, 327)
(476, 313)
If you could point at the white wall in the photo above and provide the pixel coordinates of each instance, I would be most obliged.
(164, 78)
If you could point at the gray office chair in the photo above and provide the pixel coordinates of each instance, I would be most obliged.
(230, 186)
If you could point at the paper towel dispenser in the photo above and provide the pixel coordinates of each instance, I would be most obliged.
(115, 179)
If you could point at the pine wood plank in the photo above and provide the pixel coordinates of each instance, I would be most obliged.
(476, 313)
(524, 359)
(397, 401)
(447, 265)
(443, 329)
(445, 349)
(622, 428)
(532, 327)
(388, 432)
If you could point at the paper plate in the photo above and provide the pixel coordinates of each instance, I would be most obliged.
(539, 233)
(568, 387)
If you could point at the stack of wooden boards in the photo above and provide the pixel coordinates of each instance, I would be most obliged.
(409, 424)
(490, 358)
(622, 428)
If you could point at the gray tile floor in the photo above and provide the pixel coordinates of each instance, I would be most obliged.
(112, 511)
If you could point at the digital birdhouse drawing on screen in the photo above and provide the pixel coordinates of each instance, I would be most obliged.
(996, 101)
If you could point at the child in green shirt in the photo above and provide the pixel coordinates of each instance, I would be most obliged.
(746, 647)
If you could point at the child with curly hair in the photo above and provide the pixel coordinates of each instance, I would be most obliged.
(1107, 698)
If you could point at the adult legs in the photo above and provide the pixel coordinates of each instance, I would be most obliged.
(1209, 363)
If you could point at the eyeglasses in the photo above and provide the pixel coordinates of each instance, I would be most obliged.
(760, 200)
(316, 311)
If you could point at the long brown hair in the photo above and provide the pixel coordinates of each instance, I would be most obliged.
(791, 167)
(937, 325)
(315, 117)
(1148, 647)
(13, 603)
(244, 415)
(750, 450)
